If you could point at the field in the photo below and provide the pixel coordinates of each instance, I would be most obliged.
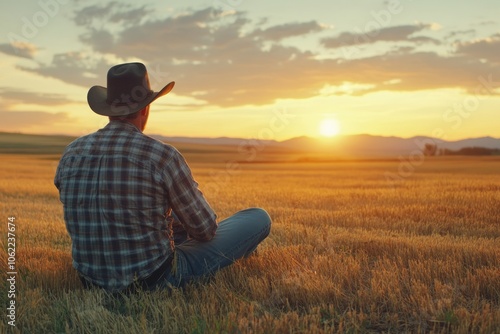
(349, 252)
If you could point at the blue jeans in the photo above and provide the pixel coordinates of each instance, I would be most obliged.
(236, 237)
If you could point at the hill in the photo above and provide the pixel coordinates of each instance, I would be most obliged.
(18, 143)
(354, 146)
(251, 150)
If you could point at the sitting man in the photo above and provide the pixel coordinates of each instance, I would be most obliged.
(134, 213)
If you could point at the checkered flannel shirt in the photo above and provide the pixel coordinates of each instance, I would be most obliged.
(116, 186)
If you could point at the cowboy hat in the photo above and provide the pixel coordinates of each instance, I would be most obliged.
(128, 91)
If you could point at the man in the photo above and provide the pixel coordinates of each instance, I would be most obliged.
(133, 211)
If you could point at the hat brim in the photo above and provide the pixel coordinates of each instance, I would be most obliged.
(98, 95)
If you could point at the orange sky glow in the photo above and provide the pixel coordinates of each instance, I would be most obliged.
(253, 69)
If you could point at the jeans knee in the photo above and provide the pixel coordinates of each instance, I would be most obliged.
(261, 217)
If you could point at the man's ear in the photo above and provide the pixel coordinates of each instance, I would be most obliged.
(145, 110)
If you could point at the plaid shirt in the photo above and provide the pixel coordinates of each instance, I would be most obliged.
(116, 186)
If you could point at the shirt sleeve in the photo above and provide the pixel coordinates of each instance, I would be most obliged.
(188, 202)
(56, 178)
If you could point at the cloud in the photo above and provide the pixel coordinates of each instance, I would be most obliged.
(460, 33)
(225, 59)
(421, 71)
(101, 40)
(279, 32)
(196, 36)
(85, 16)
(208, 51)
(388, 34)
(486, 48)
(12, 96)
(113, 12)
(19, 49)
(76, 68)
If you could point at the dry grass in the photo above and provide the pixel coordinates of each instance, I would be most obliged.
(348, 253)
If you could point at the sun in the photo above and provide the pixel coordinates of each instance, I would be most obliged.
(329, 127)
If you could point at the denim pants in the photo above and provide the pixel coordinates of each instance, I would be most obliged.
(237, 236)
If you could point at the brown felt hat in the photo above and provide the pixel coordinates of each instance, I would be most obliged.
(128, 91)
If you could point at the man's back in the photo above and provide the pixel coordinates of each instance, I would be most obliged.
(116, 186)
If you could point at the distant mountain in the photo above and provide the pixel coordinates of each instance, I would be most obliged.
(370, 146)
(486, 142)
(340, 146)
(227, 141)
(351, 145)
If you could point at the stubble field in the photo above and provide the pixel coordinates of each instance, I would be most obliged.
(348, 252)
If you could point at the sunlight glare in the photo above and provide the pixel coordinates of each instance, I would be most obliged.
(329, 127)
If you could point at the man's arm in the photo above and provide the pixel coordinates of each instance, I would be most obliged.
(188, 202)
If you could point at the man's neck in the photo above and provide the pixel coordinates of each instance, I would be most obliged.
(135, 122)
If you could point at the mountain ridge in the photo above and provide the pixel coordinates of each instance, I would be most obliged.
(361, 145)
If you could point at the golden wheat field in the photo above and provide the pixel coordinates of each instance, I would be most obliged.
(349, 252)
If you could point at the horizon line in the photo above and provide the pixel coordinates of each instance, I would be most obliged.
(322, 138)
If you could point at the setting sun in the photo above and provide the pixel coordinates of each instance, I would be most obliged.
(329, 127)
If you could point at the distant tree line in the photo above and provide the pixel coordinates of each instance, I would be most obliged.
(431, 150)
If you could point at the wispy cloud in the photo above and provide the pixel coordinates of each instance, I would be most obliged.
(227, 59)
(486, 49)
(16, 96)
(78, 68)
(418, 71)
(114, 12)
(387, 34)
(19, 49)
(279, 32)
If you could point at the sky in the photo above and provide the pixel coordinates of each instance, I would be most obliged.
(259, 69)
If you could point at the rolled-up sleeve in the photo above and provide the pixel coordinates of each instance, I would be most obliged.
(188, 202)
